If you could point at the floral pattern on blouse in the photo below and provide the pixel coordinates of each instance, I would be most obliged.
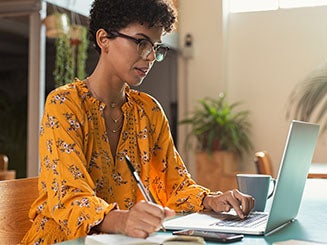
(80, 181)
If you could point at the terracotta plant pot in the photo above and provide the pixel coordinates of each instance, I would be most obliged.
(75, 34)
(217, 171)
(56, 24)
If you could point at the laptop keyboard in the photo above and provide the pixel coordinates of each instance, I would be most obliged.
(252, 220)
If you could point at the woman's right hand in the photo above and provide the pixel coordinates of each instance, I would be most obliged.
(140, 221)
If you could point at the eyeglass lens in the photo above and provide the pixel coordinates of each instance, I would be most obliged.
(145, 48)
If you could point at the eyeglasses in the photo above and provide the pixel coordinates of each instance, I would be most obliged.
(144, 46)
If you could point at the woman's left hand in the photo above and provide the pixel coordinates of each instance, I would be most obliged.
(224, 202)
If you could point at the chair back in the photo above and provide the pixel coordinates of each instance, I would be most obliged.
(6, 174)
(16, 197)
(3, 162)
(263, 163)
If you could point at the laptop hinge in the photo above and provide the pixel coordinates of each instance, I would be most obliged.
(279, 227)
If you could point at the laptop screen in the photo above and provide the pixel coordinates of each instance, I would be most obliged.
(293, 171)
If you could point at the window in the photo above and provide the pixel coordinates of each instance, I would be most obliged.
(262, 5)
(252, 5)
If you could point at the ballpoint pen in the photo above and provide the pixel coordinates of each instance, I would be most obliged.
(140, 184)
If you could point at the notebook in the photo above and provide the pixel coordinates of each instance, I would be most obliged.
(293, 171)
(153, 239)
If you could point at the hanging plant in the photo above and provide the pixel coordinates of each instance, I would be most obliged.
(79, 43)
(71, 46)
(64, 70)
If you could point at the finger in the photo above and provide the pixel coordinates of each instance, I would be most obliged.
(152, 222)
(169, 212)
(220, 203)
(247, 202)
(139, 223)
(235, 203)
(243, 200)
(250, 204)
(227, 207)
(151, 214)
(156, 210)
(138, 233)
(151, 208)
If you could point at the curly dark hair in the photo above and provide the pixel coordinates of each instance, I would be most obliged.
(113, 15)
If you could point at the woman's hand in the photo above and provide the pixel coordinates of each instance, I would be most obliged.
(140, 221)
(241, 203)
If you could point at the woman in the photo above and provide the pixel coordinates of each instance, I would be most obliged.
(90, 126)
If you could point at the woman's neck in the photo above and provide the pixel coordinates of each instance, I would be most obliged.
(112, 94)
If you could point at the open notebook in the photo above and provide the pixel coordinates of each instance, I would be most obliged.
(293, 171)
(154, 239)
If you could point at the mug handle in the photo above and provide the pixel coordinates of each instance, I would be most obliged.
(273, 190)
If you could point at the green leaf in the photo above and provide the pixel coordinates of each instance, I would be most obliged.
(308, 100)
(218, 125)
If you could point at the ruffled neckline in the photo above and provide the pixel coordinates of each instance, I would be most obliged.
(86, 93)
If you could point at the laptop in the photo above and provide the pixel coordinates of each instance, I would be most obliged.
(293, 171)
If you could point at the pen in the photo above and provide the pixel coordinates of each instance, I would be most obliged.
(140, 184)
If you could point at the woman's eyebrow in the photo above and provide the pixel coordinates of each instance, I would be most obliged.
(148, 38)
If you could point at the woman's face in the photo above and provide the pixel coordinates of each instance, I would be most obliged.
(123, 56)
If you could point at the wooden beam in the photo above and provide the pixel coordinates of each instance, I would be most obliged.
(19, 7)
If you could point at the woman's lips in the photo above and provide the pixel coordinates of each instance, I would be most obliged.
(141, 71)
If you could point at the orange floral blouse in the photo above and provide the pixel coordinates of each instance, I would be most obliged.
(80, 181)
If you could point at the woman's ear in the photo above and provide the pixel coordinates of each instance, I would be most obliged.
(102, 40)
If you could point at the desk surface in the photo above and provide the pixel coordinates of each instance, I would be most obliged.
(310, 224)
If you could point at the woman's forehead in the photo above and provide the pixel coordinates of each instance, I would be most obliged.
(154, 33)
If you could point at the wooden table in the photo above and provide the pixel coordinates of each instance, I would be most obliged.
(310, 224)
(318, 170)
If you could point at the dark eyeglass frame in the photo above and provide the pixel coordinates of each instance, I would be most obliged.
(159, 56)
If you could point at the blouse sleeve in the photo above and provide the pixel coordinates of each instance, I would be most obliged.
(71, 199)
(173, 184)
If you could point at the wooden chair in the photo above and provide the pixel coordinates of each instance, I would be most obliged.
(6, 174)
(264, 166)
(16, 197)
(263, 163)
(3, 162)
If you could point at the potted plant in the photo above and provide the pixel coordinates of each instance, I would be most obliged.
(308, 100)
(222, 137)
(56, 24)
(71, 55)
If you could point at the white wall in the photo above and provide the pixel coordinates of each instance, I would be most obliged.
(268, 54)
(263, 56)
(201, 75)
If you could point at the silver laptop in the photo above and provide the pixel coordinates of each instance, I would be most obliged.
(293, 171)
